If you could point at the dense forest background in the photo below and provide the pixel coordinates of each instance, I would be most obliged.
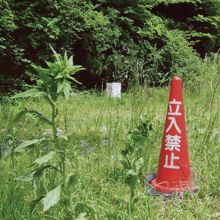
(144, 41)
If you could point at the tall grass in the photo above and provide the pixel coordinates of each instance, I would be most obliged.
(96, 126)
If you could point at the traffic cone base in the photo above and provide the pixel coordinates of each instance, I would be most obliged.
(169, 187)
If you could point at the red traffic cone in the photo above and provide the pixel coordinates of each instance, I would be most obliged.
(174, 173)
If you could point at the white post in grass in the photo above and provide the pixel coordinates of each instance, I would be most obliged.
(113, 90)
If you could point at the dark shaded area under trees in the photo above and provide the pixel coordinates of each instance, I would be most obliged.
(129, 41)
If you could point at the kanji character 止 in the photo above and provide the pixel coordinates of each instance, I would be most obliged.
(170, 163)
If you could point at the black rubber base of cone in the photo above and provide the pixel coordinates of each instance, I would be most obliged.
(152, 191)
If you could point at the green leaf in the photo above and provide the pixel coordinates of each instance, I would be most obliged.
(67, 89)
(73, 79)
(131, 179)
(37, 114)
(34, 203)
(71, 181)
(26, 178)
(125, 162)
(139, 164)
(56, 55)
(51, 198)
(29, 93)
(19, 115)
(45, 158)
(76, 69)
(39, 171)
(60, 86)
(35, 175)
(26, 144)
(40, 116)
(70, 60)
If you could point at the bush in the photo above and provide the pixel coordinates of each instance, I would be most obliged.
(141, 41)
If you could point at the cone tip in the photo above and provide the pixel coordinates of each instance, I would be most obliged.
(176, 78)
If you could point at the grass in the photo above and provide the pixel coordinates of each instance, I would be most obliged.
(96, 126)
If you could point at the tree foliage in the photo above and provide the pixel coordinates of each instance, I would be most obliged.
(145, 40)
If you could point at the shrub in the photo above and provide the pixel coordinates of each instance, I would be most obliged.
(110, 38)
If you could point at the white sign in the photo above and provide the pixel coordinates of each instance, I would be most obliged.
(173, 142)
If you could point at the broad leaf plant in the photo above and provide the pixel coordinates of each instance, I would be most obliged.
(132, 161)
(51, 82)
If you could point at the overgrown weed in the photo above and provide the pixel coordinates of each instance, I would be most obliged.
(96, 126)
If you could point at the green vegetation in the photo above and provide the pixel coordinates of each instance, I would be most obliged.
(111, 39)
(99, 132)
(131, 159)
(51, 83)
(82, 155)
